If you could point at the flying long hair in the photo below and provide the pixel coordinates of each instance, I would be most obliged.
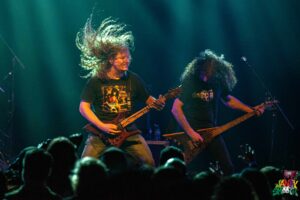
(99, 46)
(223, 70)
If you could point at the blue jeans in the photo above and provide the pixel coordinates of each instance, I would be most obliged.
(135, 145)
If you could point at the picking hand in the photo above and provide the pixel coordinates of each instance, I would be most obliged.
(196, 137)
(110, 129)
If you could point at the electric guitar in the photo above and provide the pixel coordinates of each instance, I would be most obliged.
(122, 122)
(191, 149)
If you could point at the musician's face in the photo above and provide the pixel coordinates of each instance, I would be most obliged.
(121, 61)
(208, 71)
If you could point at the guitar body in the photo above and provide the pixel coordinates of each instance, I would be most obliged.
(191, 149)
(109, 139)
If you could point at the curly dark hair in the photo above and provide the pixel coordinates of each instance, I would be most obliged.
(223, 70)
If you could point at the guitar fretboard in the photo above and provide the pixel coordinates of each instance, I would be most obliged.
(232, 123)
(133, 117)
(125, 122)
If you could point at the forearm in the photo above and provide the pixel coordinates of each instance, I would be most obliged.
(181, 119)
(86, 111)
(183, 122)
(236, 104)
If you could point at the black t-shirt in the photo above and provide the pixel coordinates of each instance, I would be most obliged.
(111, 97)
(201, 101)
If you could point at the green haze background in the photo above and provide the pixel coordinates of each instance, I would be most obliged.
(168, 35)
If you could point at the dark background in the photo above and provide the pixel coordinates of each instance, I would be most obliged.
(168, 35)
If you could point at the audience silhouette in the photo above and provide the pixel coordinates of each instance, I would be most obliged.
(54, 171)
(37, 165)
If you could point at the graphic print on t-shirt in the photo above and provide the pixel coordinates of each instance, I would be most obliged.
(204, 95)
(116, 99)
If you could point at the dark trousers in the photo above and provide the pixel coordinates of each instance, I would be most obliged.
(216, 150)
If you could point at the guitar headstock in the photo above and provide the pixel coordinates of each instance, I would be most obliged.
(172, 93)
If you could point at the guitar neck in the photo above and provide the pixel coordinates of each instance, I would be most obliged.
(232, 123)
(125, 122)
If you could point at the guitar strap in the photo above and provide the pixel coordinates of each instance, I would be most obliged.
(127, 80)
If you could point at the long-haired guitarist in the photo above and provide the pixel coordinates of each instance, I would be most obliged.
(207, 80)
(112, 90)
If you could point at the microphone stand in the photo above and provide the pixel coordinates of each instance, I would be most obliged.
(275, 107)
(11, 97)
